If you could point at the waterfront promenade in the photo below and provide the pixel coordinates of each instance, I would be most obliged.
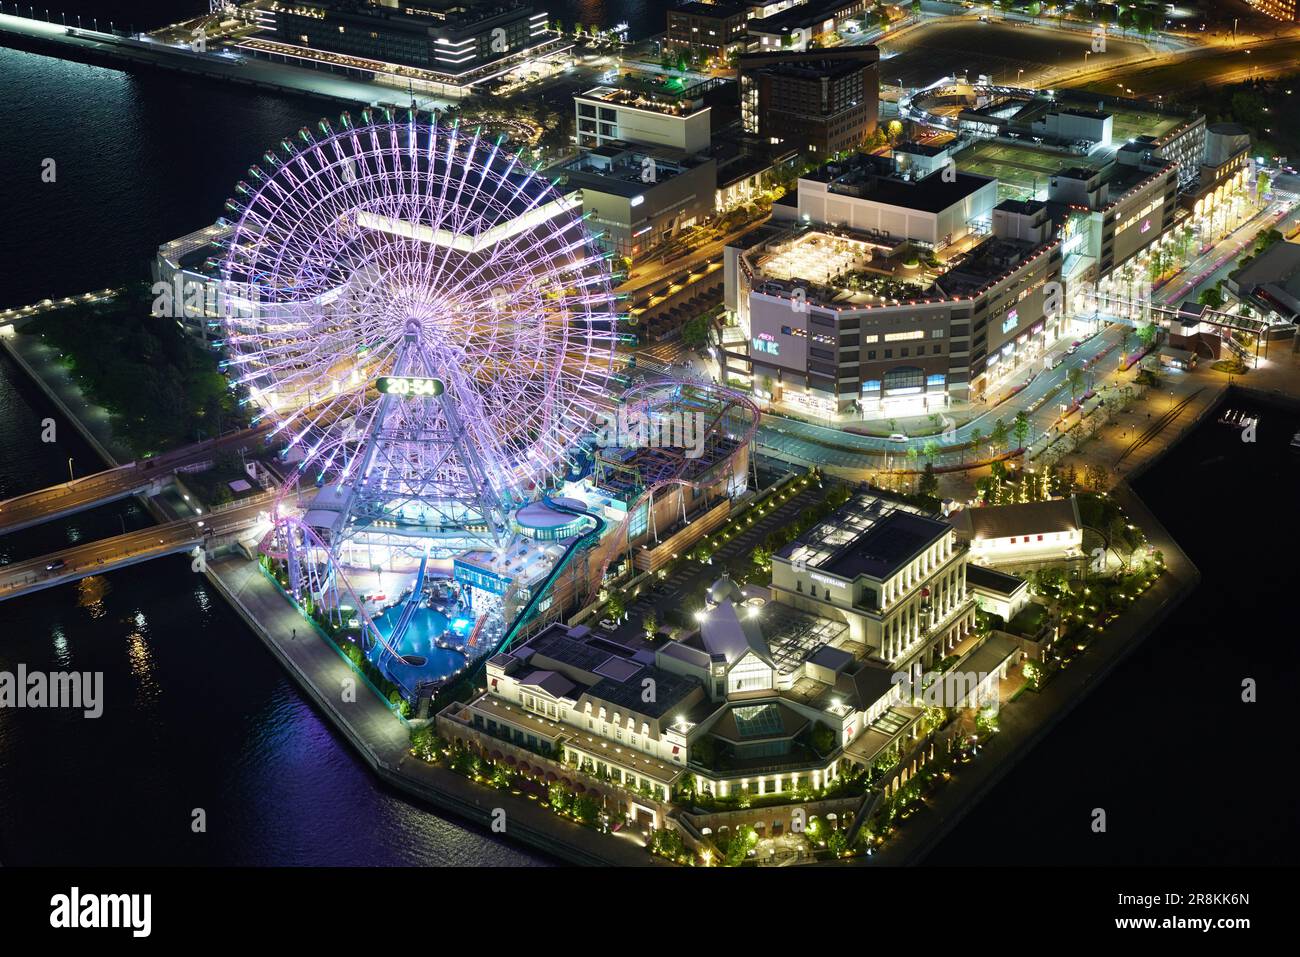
(1024, 722)
(100, 47)
(41, 363)
(382, 739)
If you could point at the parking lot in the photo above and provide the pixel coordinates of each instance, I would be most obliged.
(1010, 53)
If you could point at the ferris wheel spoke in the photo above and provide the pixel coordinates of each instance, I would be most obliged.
(398, 248)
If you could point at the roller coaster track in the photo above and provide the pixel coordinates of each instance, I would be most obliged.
(526, 613)
(733, 399)
(586, 539)
(472, 642)
(412, 604)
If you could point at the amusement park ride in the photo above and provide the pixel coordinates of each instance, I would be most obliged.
(431, 327)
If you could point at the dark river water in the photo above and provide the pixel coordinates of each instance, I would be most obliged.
(1187, 773)
(198, 715)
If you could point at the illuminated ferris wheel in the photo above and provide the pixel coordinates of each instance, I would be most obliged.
(426, 318)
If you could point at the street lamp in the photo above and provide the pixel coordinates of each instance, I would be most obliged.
(70, 475)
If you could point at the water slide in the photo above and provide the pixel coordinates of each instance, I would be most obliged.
(411, 607)
(543, 588)
(587, 538)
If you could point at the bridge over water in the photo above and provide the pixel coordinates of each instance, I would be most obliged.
(96, 558)
(147, 477)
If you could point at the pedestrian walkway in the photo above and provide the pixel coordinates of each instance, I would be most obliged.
(1130, 442)
(1027, 720)
(41, 362)
(382, 739)
(361, 714)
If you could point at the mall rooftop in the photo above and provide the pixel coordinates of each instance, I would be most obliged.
(876, 178)
(652, 92)
(582, 664)
(619, 168)
(986, 264)
(869, 535)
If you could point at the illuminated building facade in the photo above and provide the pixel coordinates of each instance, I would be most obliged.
(847, 310)
(707, 29)
(445, 36)
(873, 594)
(819, 102)
(1284, 10)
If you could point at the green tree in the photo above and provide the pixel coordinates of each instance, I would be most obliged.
(1000, 435)
(1073, 381)
(697, 332)
(837, 842)
(1261, 186)
(616, 605)
(586, 809)
(560, 797)
(929, 482)
(738, 847)
(667, 843)
(1021, 428)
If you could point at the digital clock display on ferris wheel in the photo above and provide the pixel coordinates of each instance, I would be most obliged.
(409, 386)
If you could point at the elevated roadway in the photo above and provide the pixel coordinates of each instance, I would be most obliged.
(119, 551)
(147, 477)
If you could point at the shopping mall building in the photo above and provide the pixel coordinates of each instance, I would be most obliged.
(847, 306)
(887, 290)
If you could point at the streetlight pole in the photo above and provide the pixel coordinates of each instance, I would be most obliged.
(70, 475)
